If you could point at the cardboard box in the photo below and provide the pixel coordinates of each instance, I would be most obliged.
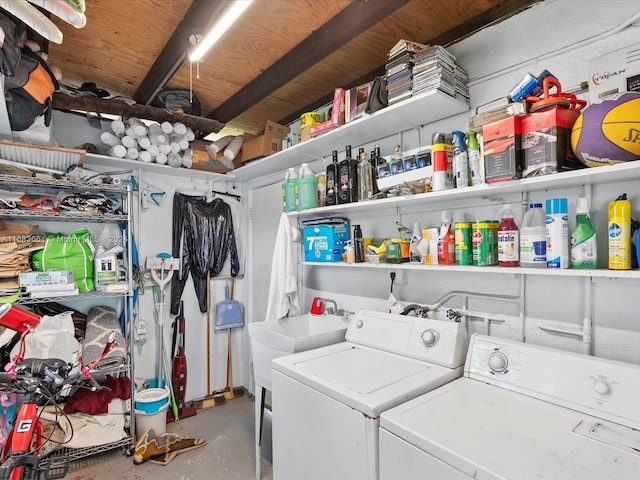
(325, 239)
(615, 72)
(202, 159)
(337, 115)
(264, 145)
(502, 150)
(546, 144)
(49, 277)
(355, 101)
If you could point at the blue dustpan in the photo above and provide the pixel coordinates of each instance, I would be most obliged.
(228, 313)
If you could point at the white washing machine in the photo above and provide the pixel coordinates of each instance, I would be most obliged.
(326, 403)
(520, 412)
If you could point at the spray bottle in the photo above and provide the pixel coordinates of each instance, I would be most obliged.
(619, 230)
(584, 253)
(473, 151)
(416, 238)
(446, 240)
(460, 160)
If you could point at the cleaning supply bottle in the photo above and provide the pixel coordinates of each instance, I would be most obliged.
(416, 238)
(508, 239)
(584, 253)
(446, 240)
(557, 222)
(533, 238)
(619, 231)
(358, 244)
(473, 151)
(306, 188)
(289, 190)
(331, 179)
(349, 252)
(460, 160)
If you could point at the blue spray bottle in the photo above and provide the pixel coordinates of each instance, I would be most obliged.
(460, 159)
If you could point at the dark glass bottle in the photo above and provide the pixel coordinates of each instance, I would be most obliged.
(332, 179)
(376, 160)
(348, 178)
(358, 244)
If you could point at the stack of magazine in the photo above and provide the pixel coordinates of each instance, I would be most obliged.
(414, 68)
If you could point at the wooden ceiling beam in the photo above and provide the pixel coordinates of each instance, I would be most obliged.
(498, 13)
(356, 18)
(197, 19)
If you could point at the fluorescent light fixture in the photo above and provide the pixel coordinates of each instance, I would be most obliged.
(219, 28)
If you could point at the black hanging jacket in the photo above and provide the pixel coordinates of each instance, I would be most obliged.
(203, 236)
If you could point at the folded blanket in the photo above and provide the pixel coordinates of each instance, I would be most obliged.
(101, 322)
(94, 403)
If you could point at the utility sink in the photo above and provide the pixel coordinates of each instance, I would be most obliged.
(277, 338)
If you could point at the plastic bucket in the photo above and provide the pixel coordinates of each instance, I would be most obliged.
(156, 421)
(151, 400)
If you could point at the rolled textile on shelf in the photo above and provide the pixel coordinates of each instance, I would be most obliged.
(101, 321)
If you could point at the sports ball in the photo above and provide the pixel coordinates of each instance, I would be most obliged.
(608, 131)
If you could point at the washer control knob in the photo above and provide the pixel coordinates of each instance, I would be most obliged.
(498, 362)
(430, 337)
(359, 323)
(603, 388)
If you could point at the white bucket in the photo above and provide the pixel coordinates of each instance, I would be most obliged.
(157, 421)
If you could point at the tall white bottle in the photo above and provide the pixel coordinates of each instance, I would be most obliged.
(533, 238)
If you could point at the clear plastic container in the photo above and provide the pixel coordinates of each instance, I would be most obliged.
(306, 188)
(289, 190)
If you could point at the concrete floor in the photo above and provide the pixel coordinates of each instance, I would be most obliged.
(227, 455)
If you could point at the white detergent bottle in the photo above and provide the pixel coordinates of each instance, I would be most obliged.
(533, 238)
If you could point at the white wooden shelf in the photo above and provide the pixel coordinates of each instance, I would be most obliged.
(588, 176)
(568, 272)
(411, 113)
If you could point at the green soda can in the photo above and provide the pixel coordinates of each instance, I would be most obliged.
(482, 245)
(462, 235)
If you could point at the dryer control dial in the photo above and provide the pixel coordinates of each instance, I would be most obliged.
(359, 323)
(603, 388)
(430, 337)
(498, 362)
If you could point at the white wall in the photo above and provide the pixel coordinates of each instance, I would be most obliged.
(560, 36)
(152, 230)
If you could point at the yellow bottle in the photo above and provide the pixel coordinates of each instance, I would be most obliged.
(619, 233)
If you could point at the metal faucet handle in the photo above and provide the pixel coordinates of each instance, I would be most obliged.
(329, 308)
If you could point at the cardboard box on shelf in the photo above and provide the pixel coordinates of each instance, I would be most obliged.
(546, 142)
(337, 115)
(265, 144)
(355, 101)
(202, 159)
(325, 239)
(502, 150)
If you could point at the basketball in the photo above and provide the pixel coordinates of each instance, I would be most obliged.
(608, 131)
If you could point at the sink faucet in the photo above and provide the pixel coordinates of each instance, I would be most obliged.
(328, 308)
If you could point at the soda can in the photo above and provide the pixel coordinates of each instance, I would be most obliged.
(464, 247)
(482, 244)
(526, 86)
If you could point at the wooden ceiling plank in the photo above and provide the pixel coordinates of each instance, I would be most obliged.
(174, 53)
(356, 18)
(498, 13)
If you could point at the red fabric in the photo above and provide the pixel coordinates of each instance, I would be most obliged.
(94, 403)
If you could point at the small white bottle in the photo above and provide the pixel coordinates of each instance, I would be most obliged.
(416, 238)
(533, 238)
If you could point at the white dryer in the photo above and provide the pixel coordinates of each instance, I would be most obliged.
(520, 411)
(326, 403)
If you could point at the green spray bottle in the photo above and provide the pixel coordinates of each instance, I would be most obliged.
(584, 253)
(473, 152)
